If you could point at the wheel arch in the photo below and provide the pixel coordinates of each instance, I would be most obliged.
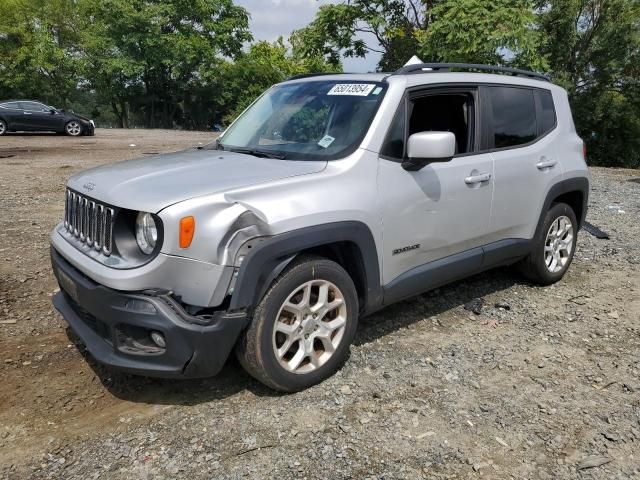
(350, 244)
(572, 191)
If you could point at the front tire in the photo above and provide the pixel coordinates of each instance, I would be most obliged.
(3, 127)
(303, 326)
(73, 128)
(553, 247)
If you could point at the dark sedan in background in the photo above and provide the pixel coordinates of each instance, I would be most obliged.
(32, 116)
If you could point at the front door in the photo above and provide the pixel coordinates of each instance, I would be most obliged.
(39, 117)
(444, 208)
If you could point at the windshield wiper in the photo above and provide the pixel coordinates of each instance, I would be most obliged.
(256, 153)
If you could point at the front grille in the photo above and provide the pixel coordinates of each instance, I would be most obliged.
(89, 221)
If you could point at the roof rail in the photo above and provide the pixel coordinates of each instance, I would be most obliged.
(307, 75)
(446, 67)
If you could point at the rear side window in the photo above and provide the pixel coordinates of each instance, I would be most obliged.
(513, 116)
(547, 112)
(11, 105)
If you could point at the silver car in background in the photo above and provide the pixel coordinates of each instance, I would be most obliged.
(329, 198)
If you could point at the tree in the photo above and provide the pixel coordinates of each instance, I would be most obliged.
(500, 32)
(149, 54)
(334, 32)
(264, 64)
(39, 57)
(472, 31)
(593, 47)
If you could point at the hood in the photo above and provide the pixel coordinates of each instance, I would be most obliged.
(151, 184)
(76, 115)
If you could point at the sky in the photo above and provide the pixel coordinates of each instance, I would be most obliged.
(273, 18)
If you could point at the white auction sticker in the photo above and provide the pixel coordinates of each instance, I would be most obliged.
(326, 141)
(358, 89)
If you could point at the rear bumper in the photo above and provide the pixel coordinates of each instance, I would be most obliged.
(115, 327)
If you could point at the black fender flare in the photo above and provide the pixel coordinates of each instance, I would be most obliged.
(269, 258)
(575, 184)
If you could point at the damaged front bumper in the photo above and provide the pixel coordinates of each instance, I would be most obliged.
(116, 328)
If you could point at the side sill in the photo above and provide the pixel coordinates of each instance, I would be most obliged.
(455, 267)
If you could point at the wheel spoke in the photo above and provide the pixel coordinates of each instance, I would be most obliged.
(335, 324)
(286, 346)
(328, 345)
(287, 329)
(297, 359)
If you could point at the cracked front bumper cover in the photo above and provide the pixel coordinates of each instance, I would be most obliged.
(101, 316)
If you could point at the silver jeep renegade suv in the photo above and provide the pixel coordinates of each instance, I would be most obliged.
(329, 198)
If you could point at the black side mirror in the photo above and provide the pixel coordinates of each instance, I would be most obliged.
(53, 111)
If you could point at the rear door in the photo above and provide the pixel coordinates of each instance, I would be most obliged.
(38, 116)
(12, 113)
(521, 131)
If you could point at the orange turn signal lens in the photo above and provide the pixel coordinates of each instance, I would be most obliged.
(187, 229)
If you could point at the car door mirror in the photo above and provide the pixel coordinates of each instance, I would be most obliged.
(424, 148)
(53, 111)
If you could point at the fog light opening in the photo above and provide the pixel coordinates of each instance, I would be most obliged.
(158, 339)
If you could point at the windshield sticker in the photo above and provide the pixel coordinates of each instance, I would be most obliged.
(357, 89)
(326, 141)
(377, 91)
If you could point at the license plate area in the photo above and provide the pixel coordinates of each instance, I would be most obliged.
(68, 285)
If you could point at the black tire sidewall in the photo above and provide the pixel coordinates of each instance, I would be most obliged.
(325, 270)
(556, 211)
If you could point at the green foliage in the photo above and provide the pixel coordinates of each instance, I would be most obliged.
(154, 63)
(150, 55)
(333, 33)
(263, 65)
(500, 32)
(593, 49)
(39, 55)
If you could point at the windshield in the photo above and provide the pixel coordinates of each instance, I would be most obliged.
(319, 120)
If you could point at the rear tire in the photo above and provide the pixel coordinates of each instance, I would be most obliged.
(303, 326)
(3, 127)
(553, 247)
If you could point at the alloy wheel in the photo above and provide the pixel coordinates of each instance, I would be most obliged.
(559, 244)
(73, 128)
(309, 327)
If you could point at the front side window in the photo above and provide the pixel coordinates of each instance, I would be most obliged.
(315, 120)
(513, 116)
(435, 112)
(34, 107)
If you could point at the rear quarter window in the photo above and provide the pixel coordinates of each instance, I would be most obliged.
(546, 112)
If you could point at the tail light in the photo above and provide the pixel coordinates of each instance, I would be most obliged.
(584, 151)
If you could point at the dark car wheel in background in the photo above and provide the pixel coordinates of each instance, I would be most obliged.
(73, 128)
(3, 127)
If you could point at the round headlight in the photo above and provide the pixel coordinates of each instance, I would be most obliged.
(146, 232)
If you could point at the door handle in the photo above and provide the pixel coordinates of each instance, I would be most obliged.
(27, 113)
(544, 163)
(479, 178)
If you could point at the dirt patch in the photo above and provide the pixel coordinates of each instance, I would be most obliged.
(528, 383)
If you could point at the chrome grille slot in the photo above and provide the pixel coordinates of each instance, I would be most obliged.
(90, 221)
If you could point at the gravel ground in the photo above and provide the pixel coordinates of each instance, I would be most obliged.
(541, 383)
